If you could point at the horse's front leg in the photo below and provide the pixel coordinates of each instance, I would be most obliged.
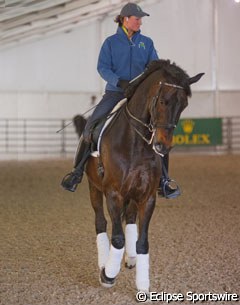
(96, 197)
(142, 264)
(113, 263)
(131, 235)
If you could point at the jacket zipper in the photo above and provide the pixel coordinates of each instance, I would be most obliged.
(131, 45)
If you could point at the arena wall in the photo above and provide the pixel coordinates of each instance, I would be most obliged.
(56, 77)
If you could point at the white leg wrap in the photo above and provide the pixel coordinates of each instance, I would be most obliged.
(142, 272)
(103, 249)
(131, 236)
(113, 263)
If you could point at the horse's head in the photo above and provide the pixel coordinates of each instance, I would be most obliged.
(165, 108)
(166, 87)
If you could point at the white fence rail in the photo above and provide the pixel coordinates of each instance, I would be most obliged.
(36, 138)
(29, 138)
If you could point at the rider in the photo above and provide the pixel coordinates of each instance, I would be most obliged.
(123, 57)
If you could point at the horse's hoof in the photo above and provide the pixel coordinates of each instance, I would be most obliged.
(105, 281)
(130, 262)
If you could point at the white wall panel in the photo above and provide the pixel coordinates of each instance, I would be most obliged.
(228, 45)
(229, 101)
(55, 77)
(44, 104)
(64, 62)
(182, 32)
(200, 105)
(8, 105)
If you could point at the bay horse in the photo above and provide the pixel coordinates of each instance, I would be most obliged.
(129, 155)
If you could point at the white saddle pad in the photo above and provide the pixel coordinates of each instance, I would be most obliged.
(114, 111)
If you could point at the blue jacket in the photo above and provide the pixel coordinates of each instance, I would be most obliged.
(121, 58)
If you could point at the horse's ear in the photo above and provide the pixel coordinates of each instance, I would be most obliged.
(195, 78)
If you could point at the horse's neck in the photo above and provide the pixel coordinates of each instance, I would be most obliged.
(138, 105)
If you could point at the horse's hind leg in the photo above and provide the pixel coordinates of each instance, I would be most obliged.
(142, 264)
(100, 224)
(131, 235)
(113, 264)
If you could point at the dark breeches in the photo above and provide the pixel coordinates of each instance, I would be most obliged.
(103, 108)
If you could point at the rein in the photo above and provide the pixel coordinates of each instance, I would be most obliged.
(152, 128)
(149, 126)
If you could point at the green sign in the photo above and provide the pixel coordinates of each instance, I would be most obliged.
(198, 132)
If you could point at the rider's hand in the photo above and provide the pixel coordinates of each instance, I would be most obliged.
(123, 84)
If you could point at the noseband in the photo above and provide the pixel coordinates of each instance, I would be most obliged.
(152, 127)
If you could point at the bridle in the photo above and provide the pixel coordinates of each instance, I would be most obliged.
(152, 127)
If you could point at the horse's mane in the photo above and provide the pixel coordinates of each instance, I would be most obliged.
(171, 71)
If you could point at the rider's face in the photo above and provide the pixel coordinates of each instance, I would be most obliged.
(133, 23)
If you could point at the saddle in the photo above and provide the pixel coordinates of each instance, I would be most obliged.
(101, 127)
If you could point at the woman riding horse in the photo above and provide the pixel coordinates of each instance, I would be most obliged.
(129, 157)
(123, 57)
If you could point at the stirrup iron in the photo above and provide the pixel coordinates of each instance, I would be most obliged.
(71, 181)
(170, 184)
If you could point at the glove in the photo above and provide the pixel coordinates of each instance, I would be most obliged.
(123, 84)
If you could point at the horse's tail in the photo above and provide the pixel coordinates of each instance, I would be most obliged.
(79, 122)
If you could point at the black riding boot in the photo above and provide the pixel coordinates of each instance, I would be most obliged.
(168, 188)
(71, 180)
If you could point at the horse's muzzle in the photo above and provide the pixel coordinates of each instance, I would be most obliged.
(162, 141)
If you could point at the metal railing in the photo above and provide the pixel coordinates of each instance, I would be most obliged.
(36, 137)
(39, 138)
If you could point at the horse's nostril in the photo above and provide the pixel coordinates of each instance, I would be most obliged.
(160, 148)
